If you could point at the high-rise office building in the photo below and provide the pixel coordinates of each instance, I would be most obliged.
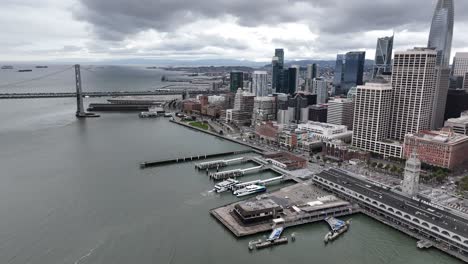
(440, 36)
(275, 72)
(312, 72)
(264, 109)
(442, 83)
(354, 68)
(320, 88)
(341, 112)
(413, 82)
(383, 56)
(298, 108)
(279, 53)
(318, 113)
(236, 81)
(260, 83)
(339, 70)
(460, 64)
(372, 112)
(292, 80)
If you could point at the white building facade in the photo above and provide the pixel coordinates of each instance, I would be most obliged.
(413, 83)
(372, 112)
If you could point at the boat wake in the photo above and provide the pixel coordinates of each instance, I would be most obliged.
(88, 254)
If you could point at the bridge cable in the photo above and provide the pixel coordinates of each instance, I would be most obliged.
(35, 78)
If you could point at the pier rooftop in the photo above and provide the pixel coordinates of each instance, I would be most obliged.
(292, 205)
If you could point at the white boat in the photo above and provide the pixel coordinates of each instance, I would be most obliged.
(225, 185)
(148, 115)
(251, 189)
(168, 115)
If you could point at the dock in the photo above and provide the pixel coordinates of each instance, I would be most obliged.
(220, 163)
(259, 182)
(191, 158)
(306, 203)
(222, 175)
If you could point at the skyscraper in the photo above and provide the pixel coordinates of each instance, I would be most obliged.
(341, 112)
(260, 83)
(237, 81)
(372, 112)
(279, 53)
(460, 64)
(275, 72)
(312, 72)
(339, 70)
(320, 88)
(292, 80)
(354, 68)
(442, 83)
(413, 81)
(383, 56)
(440, 36)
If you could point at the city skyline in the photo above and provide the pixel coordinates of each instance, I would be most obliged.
(94, 30)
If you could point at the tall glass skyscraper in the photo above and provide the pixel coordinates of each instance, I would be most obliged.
(339, 69)
(353, 70)
(440, 36)
(279, 53)
(237, 81)
(383, 56)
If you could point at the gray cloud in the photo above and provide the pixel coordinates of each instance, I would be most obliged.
(114, 19)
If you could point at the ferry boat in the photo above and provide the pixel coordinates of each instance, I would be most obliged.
(251, 189)
(275, 234)
(225, 185)
(148, 114)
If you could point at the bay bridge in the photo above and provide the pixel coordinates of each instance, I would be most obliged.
(80, 94)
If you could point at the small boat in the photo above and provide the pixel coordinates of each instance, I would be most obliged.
(25, 70)
(422, 244)
(275, 234)
(41, 67)
(225, 185)
(337, 226)
(251, 189)
(167, 114)
(7, 67)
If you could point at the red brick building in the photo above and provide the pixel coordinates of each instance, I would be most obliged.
(442, 148)
(267, 132)
(286, 160)
(190, 106)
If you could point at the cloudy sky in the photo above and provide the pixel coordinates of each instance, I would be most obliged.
(212, 29)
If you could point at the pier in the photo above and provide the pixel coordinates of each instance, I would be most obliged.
(191, 158)
(222, 175)
(260, 182)
(220, 163)
(306, 203)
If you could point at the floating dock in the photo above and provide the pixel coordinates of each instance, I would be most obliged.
(191, 158)
(267, 244)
